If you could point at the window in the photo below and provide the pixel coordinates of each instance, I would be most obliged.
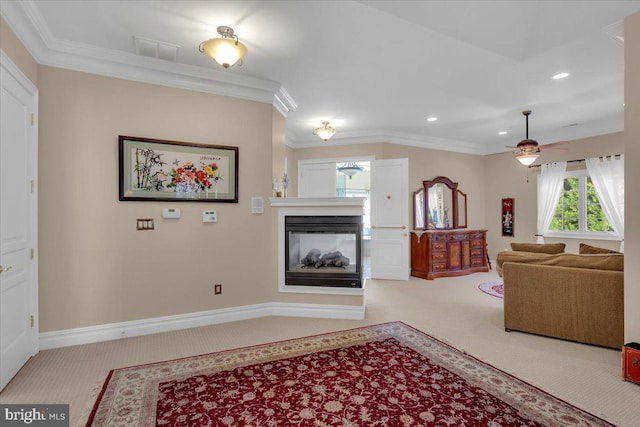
(579, 212)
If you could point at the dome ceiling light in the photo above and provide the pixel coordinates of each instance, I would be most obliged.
(226, 50)
(350, 169)
(325, 132)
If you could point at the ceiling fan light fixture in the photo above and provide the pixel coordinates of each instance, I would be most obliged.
(527, 148)
(527, 159)
(226, 50)
(325, 132)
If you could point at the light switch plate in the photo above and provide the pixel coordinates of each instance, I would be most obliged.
(257, 205)
(209, 216)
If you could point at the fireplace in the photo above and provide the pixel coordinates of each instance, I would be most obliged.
(323, 251)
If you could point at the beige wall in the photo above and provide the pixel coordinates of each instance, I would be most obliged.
(10, 44)
(507, 178)
(632, 177)
(95, 268)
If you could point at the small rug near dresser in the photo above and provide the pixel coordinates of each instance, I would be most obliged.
(495, 289)
(383, 375)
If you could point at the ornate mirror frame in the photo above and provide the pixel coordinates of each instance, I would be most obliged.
(421, 205)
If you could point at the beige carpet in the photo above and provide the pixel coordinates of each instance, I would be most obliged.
(452, 309)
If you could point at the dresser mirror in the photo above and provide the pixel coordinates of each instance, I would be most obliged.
(439, 205)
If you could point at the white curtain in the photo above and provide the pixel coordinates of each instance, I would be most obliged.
(550, 183)
(607, 175)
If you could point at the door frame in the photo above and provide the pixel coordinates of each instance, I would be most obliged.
(10, 67)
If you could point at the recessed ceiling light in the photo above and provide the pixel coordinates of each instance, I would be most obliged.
(560, 76)
(432, 119)
(503, 132)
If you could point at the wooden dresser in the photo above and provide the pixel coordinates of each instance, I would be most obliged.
(448, 253)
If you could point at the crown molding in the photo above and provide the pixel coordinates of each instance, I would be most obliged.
(389, 137)
(283, 102)
(27, 23)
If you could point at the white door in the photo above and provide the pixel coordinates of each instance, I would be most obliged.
(317, 179)
(390, 219)
(18, 219)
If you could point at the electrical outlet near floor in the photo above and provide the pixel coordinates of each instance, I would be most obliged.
(217, 289)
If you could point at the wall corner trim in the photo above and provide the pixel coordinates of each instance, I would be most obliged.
(113, 331)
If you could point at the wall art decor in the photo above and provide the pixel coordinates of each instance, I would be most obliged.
(507, 217)
(153, 170)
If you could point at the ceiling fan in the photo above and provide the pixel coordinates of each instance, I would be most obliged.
(528, 150)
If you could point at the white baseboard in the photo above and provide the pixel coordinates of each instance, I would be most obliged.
(113, 331)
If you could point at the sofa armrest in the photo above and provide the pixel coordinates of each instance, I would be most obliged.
(576, 304)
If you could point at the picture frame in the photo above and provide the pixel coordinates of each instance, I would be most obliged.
(507, 217)
(160, 170)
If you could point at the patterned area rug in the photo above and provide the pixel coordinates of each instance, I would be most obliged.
(492, 288)
(382, 375)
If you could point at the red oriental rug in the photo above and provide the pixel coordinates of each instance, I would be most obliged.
(382, 375)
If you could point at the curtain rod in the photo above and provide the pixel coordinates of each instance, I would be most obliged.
(577, 160)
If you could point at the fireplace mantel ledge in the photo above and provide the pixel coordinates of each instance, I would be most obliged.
(316, 201)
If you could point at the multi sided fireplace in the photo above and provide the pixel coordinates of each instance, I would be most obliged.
(323, 251)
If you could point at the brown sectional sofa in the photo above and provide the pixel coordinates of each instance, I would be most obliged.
(569, 296)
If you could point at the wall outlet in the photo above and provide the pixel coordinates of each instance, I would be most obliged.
(217, 289)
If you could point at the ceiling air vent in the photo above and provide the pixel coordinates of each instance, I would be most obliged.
(155, 48)
(615, 32)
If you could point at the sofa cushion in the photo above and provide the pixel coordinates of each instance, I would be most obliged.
(592, 261)
(588, 249)
(543, 248)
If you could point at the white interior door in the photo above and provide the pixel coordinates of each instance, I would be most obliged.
(18, 211)
(390, 219)
(317, 179)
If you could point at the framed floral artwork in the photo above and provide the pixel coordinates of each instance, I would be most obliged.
(153, 170)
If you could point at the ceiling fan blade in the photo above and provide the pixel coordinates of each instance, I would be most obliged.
(553, 149)
(556, 146)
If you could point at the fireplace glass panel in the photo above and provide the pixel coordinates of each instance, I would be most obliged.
(323, 251)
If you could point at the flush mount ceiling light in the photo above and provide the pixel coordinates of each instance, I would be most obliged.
(560, 76)
(350, 169)
(325, 132)
(226, 50)
(503, 132)
(432, 119)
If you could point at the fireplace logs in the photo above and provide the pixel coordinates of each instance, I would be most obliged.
(330, 259)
